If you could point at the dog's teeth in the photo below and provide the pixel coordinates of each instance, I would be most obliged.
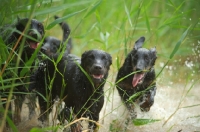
(98, 76)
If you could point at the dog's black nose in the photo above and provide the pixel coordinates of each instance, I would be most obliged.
(97, 67)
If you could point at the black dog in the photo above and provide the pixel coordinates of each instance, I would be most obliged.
(32, 32)
(79, 82)
(137, 75)
(52, 45)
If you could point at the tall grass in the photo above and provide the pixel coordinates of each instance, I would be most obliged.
(113, 26)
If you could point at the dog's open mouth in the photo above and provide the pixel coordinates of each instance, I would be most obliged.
(33, 45)
(137, 79)
(97, 76)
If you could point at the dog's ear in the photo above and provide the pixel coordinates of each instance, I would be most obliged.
(18, 18)
(139, 43)
(56, 17)
(109, 58)
(153, 53)
(21, 24)
(83, 56)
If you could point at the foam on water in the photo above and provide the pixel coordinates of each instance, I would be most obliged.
(167, 100)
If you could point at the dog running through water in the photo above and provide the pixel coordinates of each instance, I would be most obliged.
(78, 82)
(26, 34)
(52, 45)
(137, 75)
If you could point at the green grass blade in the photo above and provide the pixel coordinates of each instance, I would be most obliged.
(171, 2)
(89, 78)
(88, 31)
(191, 106)
(42, 96)
(92, 8)
(29, 62)
(98, 17)
(59, 20)
(125, 77)
(118, 62)
(147, 21)
(3, 51)
(179, 7)
(38, 130)
(60, 8)
(125, 46)
(134, 96)
(11, 124)
(128, 15)
(140, 122)
(12, 85)
(179, 43)
(46, 129)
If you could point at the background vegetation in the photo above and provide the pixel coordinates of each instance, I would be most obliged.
(114, 25)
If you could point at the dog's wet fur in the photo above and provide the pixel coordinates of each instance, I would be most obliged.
(139, 67)
(78, 81)
(52, 45)
(31, 32)
(34, 32)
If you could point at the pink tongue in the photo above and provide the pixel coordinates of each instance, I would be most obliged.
(33, 45)
(136, 79)
(98, 76)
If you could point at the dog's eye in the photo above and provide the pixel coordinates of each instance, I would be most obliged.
(103, 57)
(146, 58)
(134, 57)
(39, 25)
(54, 48)
(91, 56)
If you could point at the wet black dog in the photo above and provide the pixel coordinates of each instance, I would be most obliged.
(79, 82)
(32, 32)
(52, 45)
(139, 67)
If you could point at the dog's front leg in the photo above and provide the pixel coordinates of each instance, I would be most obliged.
(94, 113)
(148, 99)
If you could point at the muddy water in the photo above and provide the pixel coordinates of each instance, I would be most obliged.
(167, 99)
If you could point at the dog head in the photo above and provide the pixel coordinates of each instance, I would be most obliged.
(51, 45)
(142, 60)
(34, 30)
(97, 64)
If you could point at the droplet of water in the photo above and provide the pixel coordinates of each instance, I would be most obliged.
(189, 64)
(161, 64)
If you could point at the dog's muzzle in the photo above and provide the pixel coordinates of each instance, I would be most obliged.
(36, 37)
(97, 72)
